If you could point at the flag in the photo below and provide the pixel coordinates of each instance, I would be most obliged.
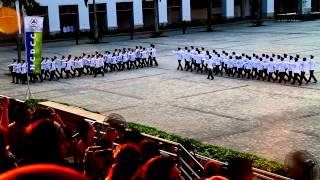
(33, 40)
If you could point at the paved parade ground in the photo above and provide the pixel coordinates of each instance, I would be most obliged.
(267, 119)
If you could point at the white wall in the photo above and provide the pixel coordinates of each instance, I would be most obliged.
(228, 9)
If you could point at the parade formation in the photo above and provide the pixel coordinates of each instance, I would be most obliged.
(86, 64)
(271, 67)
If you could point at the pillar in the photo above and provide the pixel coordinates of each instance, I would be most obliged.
(137, 13)
(54, 18)
(84, 23)
(228, 9)
(163, 12)
(186, 10)
(268, 8)
(112, 14)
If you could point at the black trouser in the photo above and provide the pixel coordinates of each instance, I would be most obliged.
(98, 71)
(47, 74)
(68, 73)
(229, 71)
(303, 77)
(199, 68)
(91, 70)
(185, 64)
(23, 78)
(234, 71)
(282, 75)
(149, 63)
(218, 70)
(13, 75)
(255, 72)
(189, 66)
(80, 71)
(132, 64)
(260, 74)
(312, 76)
(155, 61)
(248, 73)
(61, 72)
(295, 78)
(240, 73)
(119, 66)
(265, 74)
(290, 76)
(210, 74)
(277, 74)
(52, 75)
(179, 65)
(270, 76)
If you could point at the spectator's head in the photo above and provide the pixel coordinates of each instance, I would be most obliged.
(45, 142)
(212, 168)
(118, 122)
(132, 136)
(160, 168)
(41, 113)
(86, 132)
(300, 165)
(22, 114)
(42, 171)
(127, 159)
(127, 154)
(149, 150)
(97, 163)
(240, 169)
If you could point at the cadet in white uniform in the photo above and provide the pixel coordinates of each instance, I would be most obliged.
(312, 68)
(210, 65)
(270, 69)
(153, 55)
(69, 67)
(12, 68)
(296, 70)
(179, 57)
(282, 70)
(23, 75)
(18, 72)
(304, 68)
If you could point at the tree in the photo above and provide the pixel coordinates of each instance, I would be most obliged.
(26, 5)
(209, 15)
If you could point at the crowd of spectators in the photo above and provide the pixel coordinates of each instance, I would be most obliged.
(37, 144)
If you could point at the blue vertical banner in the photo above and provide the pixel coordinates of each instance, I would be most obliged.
(33, 26)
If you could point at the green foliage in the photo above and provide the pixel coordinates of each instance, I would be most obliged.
(32, 103)
(214, 152)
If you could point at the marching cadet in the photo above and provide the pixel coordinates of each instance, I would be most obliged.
(23, 74)
(240, 67)
(132, 59)
(179, 57)
(12, 68)
(296, 70)
(184, 57)
(98, 65)
(154, 55)
(229, 64)
(248, 67)
(198, 60)
(18, 72)
(217, 62)
(193, 52)
(63, 66)
(282, 70)
(125, 59)
(53, 70)
(43, 68)
(92, 64)
(303, 68)
(137, 57)
(210, 66)
(68, 67)
(265, 60)
(312, 68)
(205, 59)
(234, 64)
(188, 58)
(144, 54)
(260, 68)
(270, 69)
(113, 60)
(47, 70)
(203, 55)
(289, 67)
(119, 60)
(254, 72)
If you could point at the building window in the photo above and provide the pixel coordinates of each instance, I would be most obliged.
(69, 21)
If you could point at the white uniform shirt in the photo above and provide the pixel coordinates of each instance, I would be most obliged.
(53, 66)
(63, 63)
(312, 65)
(153, 52)
(210, 63)
(14, 66)
(69, 65)
(43, 65)
(282, 66)
(179, 55)
(296, 67)
(198, 58)
(24, 68)
(18, 68)
(48, 62)
(144, 54)
(270, 67)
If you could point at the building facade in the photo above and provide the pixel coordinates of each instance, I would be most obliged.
(69, 15)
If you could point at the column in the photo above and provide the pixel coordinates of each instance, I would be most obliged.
(112, 14)
(137, 13)
(163, 11)
(54, 18)
(228, 9)
(186, 10)
(304, 7)
(268, 8)
(84, 23)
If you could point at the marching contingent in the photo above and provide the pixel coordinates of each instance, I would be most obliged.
(282, 68)
(94, 64)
